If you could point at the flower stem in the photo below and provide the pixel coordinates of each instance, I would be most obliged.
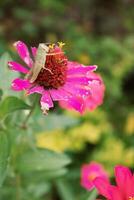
(24, 124)
(18, 187)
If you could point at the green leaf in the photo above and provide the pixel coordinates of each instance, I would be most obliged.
(45, 175)
(41, 159)
(37, 191)
(4, 155)
(11, 104)
(59, 121)
(7, 76)
(64, 190)
(1, 93)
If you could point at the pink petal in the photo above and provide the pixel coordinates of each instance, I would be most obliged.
(85, 181)
(123, 179)
(98, 169)
(36, 89)
(46, 101)
(23, 53)
(102, 186)
(64, 104)
(81, 70)
(87, 184)
(91, 171)
(79, 80)
(97, 90)
(76, 103)
(17, 67)
(59, 94)
(76, 90)
(115, 194)
(34, 50)
(130, 189)
(20, 84)
(72, 64)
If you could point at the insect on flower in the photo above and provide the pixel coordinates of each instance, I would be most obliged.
(39, 63)
(53, 76)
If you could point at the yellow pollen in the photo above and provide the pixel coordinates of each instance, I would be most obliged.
(61, 44)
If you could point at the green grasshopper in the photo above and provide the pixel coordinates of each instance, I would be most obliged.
(39, 63)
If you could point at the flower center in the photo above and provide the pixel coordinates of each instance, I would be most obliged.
(53, 75)
(92, 176)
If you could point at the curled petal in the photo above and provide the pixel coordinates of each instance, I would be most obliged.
(17, 67)
(36, 89)
(23, 53)
(20, 84)
(46, 101)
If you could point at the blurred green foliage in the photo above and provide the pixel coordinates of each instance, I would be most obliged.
(95, 32)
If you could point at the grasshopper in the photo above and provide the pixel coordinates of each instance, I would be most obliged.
(39, 63)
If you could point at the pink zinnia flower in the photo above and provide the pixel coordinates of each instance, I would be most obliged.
(89, 172)
(124, 190)
(59, 80)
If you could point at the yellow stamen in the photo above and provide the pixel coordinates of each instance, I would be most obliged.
(61, 44)
(51, 46)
